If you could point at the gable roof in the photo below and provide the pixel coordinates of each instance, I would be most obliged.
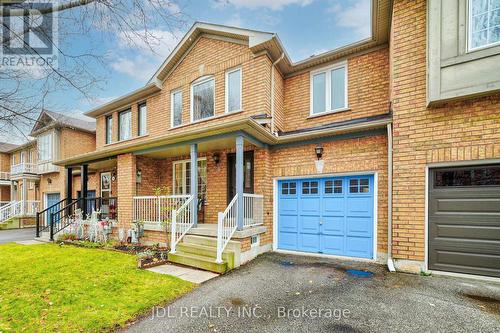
(257, 41)
(6, 147)
(49, 119)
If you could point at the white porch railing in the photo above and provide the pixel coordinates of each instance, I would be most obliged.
(181, 222)
(155, 209)
(47, 167)
(226, 226)
(23, 168)
(18, 208)
(253, 210)
(4, 175)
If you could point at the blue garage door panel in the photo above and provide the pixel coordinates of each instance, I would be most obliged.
(327, 215)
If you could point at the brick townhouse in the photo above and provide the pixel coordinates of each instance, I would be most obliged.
(386, 149)
(29, 181)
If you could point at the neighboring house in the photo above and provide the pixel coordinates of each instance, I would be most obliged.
(5, 162)
(34, 182)
(376, 150)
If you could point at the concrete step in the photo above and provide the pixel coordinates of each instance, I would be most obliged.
(198, 261)
(207, 251)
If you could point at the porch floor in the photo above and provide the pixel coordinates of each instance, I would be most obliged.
(210, 230)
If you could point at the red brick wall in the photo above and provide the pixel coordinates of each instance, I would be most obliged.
(459, 131)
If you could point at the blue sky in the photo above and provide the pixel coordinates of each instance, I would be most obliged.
(305, 27)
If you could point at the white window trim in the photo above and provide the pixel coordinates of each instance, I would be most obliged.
(174, 163)
(226, 88)
(106, 129)
(201, 80)
(469, 31)
(328, 77)
(172, 93)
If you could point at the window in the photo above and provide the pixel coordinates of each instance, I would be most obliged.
(233, 90)
(45, 148)
(202, 99)
(254, 240)
(182, 177)
(333, 186)
(124, 125)
(142, 119)
(472, 176)
(484, 23)
(329, 89)
(310, 187)
(109, 129)
(360, 185)
(289, 188)
(176, 108)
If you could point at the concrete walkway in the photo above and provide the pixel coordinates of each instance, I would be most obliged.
(284, 293)
(185, 273)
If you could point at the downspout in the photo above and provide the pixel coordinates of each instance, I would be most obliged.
(390, 262)
(272, 90)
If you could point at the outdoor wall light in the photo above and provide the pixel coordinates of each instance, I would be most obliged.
(216, 157)
(319, 151)
(49, 181)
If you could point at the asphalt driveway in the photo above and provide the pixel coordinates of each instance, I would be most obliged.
(283, 293)
(16, 235)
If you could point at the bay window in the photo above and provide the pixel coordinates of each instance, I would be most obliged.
(203, 99)
(125, 125)
(329, 89)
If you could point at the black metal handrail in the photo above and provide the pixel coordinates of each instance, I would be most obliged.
(61, 218)
(43, 217)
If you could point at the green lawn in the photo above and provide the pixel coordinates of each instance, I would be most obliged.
(48, 288)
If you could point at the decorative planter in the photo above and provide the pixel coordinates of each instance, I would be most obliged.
(150, 262)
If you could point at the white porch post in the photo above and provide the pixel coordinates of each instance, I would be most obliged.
(239, 181)
(194, 184)
(25, 195)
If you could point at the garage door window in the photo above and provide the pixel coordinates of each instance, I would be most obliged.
(333, 186)
(310, 187)
(472, 176)
(289, 188)
(359, 185)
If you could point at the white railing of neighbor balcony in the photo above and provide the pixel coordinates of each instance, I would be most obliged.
(226, 226)
(4, 175)
(253, 210)
(181, 222)
(156, 209)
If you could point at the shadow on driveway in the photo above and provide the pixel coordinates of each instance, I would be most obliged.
(285, 293)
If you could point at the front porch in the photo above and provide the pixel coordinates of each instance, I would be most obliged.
(223, 200)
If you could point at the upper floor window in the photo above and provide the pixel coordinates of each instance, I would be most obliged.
(125, 125)
(109, 129)
(45, 147)
(484, 23)
(233, 90)
(142, 119)
(203, 98)
(176, 108)
(329, 89)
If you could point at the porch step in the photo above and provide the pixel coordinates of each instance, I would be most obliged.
(198, 261)
(206, 251)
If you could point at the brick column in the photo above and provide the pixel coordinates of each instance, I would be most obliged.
(125, 174)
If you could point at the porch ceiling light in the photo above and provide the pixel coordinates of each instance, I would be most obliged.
(319, 151)
(216, 157)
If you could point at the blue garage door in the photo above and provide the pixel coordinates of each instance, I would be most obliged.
(327, 215)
